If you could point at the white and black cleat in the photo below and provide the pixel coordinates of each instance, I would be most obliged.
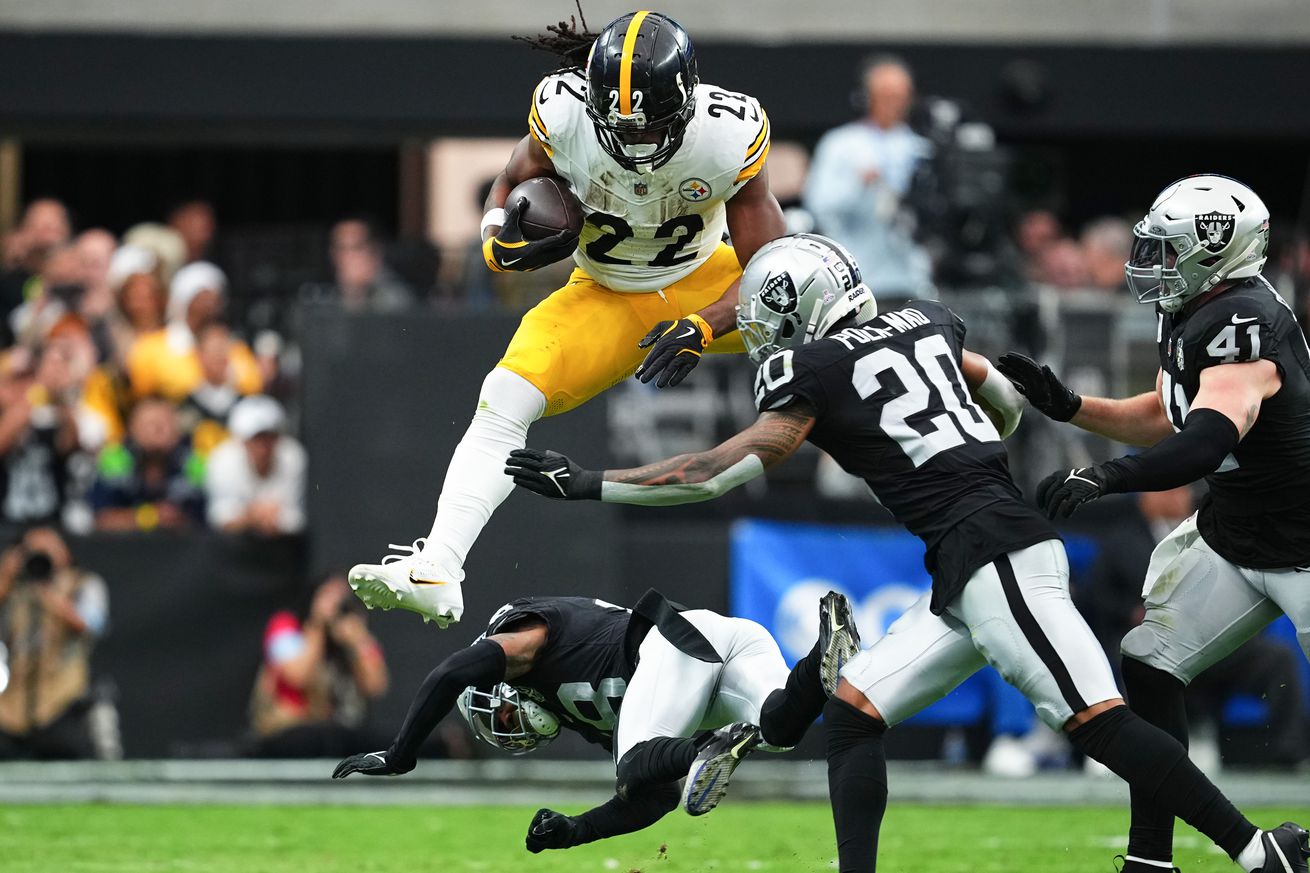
(839, 641)
(707, 780)
(1287, 849)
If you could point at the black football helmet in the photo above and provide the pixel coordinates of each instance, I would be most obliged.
(641, 88)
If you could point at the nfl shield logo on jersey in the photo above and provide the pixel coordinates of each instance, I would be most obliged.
(779, 294)
(639, 188)
(1215, 230)
(694, 189)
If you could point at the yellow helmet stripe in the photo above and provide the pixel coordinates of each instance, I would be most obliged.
(625, 64)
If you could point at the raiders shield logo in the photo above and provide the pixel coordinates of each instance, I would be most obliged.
(1215, 230)
(779, 294)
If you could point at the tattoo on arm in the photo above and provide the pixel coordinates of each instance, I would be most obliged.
(1252, 413)
(773, 437)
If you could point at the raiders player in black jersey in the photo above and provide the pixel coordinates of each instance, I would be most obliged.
(893, 399)
(669, 692)
(1232, 406)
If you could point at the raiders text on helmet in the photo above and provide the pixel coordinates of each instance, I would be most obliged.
(641, 82)
(1201, 231)
(795, 289)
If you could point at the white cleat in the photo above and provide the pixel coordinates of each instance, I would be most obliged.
(410, 581)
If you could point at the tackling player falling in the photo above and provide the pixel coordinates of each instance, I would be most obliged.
(644, 683)
(663, 165)
(1232, 406)
(892, 399)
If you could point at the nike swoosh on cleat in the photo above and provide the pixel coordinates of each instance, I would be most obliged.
(416, 581)
(736, 752)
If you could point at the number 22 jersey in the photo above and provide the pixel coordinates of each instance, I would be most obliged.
(891, 406)
(646, 230)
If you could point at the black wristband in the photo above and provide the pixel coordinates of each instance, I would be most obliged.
(1196, 451)
(586, 484)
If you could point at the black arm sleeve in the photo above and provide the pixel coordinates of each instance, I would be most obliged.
(1193, 453)
(481, 664)
(618, 816)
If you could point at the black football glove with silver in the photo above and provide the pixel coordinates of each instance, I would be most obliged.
(508, 251)
(371, 764)
(675, 350)
(1059, 494)
(1044, 390)
(550, 474)
(550, 830)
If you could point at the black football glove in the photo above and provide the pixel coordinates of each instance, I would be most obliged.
(508, 251)
(1059, 494)
(677, 349)
(370, 764)
(550, 830)
(550, 474)
(1044, 390)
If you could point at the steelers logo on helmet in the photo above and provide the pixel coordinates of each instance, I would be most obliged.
(1215, 231)
(779, 294)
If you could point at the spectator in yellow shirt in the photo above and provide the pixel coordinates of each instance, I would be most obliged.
(165, 362)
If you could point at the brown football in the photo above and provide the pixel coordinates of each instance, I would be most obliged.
(551, 207)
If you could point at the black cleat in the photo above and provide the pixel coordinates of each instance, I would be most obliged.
(707, 780)
(1287, 849)
(839, 641)
(1123, 865)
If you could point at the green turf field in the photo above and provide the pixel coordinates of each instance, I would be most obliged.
(746, 837)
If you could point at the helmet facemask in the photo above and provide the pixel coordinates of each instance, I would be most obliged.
(636, 142)
(502, 717)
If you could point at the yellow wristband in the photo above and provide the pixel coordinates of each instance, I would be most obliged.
(706, 332)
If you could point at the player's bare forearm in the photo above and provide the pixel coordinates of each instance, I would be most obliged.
(1238, 390)
(1135, 421)
(773, 437)
(754, 218)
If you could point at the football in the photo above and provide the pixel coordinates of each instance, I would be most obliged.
(551, 207)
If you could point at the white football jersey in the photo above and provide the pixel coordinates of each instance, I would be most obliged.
(646, 230)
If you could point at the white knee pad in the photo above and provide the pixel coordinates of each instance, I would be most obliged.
(509, 401)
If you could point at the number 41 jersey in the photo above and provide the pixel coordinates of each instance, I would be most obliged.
(891, 406)
(646, 230)
(1257, 511)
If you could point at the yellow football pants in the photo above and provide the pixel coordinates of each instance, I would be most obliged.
(582, 339)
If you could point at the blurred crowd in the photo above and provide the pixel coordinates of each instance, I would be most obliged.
(128, 401)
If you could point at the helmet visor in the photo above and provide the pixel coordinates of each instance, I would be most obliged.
(1151, 271)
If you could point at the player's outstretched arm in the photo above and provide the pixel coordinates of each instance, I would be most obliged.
(754, 218)
(554, 830)
(689, 478)
(1136, 421)
(1226, 408)
(497, 658)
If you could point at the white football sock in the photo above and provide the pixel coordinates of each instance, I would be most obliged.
(475, 480)
(1253, 856)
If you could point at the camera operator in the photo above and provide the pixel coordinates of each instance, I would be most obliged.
(860, 176)
(310, 697)
(51, 613)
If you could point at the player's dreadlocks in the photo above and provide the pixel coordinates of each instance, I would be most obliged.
(565, 40)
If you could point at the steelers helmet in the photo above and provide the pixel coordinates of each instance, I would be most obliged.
(795, 289)
(641, 88)
(503, 717)
(1201, 230)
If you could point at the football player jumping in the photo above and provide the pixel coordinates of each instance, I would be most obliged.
(663, 165)
(1232, 406)
(643, 683)
(892, 399)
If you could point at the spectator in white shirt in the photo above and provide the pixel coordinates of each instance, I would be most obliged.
(860, 173)
(256, 479)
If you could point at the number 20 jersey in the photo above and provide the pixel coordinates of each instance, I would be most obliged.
(891, 406)
(1257, 511)
(646, 230)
